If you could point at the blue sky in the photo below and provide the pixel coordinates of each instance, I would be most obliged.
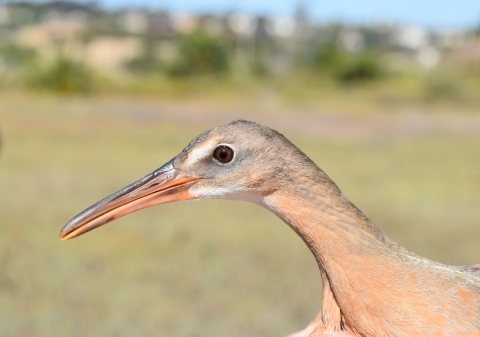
(440, 14)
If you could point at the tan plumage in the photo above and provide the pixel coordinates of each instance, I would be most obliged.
(372, 286)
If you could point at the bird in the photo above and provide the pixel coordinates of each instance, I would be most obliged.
(372, 286)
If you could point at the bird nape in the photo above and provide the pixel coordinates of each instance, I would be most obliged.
(371, 285)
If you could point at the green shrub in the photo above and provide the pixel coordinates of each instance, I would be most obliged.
(348, 67)
(14, 56)
(200, 54)
(329, 59)
(259, 68)
(147, 62)
(361, 68)
(63, 75)
(144, 64)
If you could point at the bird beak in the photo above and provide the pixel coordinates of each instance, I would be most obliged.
(164, 185)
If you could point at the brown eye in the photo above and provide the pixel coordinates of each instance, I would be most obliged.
(223, 154)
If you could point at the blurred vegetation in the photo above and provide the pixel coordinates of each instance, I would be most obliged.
(348, 67)
(200, 54)
(147, 62)
(15, 56)
(445, 87)
(214, 66)
(62, 75)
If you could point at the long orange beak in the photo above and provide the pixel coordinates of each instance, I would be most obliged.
(164, 185)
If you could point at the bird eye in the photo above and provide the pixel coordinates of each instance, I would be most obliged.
(223, 154)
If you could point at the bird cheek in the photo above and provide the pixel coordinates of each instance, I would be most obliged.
(204, 191)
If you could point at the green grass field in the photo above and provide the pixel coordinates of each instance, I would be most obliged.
(206, 268)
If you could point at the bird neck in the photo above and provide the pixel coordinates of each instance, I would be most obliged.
(326, 220)
(370, 283)
(348, 248)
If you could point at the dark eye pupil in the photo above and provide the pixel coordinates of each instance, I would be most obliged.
(223, 154)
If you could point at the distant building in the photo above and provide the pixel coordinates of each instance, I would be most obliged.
(43, 35)
(108, 39)
(212, 25)
(351, 40)
(134, 22)
(4, 15)
(242, 24)
(109, 54)
(281, 27)
(159, 25)
(184, 23)
(28, 13)
(411, 37)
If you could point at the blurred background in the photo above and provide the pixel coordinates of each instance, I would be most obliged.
(384, 96)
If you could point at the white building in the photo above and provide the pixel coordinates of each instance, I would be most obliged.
(4, 15)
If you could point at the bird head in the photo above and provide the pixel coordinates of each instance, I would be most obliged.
(241, 160)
